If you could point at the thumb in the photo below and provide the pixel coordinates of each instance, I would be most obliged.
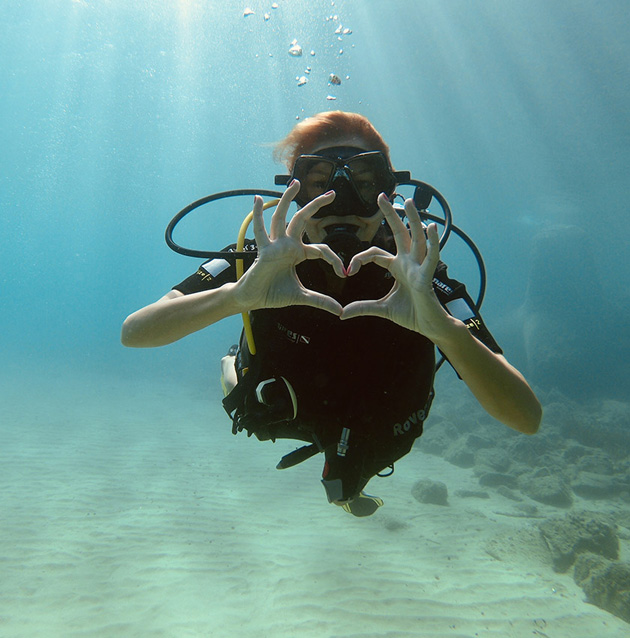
(369, 308)
(320, 301)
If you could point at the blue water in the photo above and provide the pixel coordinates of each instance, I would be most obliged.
(117, 114)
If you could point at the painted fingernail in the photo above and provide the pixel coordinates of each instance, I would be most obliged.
(291, 183)
(329, 192)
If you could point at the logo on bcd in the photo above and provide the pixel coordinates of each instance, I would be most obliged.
(416, 417)
(294, 337)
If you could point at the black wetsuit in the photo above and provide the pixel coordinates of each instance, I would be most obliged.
(367, 374)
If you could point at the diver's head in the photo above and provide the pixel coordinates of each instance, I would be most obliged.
(357, 175)
(342, 152)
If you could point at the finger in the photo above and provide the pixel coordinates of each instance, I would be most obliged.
(372, 308)
(373, 255)
(297, 225)
(417, 228)
(399, 230)
(322, 251)
(279, 217)
(433, 247)
(260, 232)
(319, 301)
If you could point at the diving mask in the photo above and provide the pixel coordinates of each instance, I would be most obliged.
(356, 176)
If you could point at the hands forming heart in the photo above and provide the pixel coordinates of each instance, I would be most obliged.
(272, 281)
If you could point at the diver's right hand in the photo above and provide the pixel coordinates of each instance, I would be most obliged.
(272, 281)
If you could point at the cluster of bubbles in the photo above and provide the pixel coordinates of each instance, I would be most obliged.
(295, 49)
(250, 12)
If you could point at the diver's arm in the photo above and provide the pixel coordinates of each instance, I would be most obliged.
(498, 386)
(271, 282)
(177, 315)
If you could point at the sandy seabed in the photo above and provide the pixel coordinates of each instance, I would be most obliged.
(129, 510)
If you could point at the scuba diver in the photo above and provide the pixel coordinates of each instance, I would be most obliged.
(344, 305)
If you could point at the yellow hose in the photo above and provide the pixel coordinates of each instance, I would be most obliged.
(240, 269)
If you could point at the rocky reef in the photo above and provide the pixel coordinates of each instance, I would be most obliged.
(577, 465)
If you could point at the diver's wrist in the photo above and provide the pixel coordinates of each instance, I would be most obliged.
(240, 301)
(450, 335)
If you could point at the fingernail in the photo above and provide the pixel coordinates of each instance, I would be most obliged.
(291, 183)
(329, 192)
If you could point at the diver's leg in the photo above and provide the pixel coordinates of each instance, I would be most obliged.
(343, 481)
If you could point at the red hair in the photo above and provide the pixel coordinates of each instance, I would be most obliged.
(329, 125)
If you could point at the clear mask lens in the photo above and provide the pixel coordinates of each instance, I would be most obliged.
(367, 173)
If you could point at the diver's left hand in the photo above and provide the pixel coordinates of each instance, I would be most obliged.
(411, 302)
